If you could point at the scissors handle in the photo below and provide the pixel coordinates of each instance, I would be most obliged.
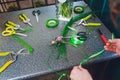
(12, 23)
(8, 25)
(4, 53)
(9, 31)
(92, 24)
(36, 12)
(88, 17)
(24, 16)
(6, 33)
(6, 65)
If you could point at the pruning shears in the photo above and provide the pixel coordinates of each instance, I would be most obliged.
(13, 25)
(90, 24)
(13, 56)
(25, 19)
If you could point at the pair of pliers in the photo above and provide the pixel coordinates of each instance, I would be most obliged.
(36, 13)
(25, 19)
(84, 23)
(13, 25)
(13, 56)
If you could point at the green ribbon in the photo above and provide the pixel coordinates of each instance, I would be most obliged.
(30, 49)
(75, 41)
(74, 19)
(62, 47)
(91, 57)
(96, 54)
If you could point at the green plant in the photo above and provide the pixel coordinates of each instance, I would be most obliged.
(66, 9)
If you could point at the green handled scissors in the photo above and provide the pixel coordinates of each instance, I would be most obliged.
(10, 31)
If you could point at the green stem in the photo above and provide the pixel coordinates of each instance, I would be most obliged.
(91, 57)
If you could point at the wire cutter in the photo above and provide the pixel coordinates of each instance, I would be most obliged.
(10, 31)
(13, 25)
(13, 56)
(84, 23)
(25, 19)
(36, 14)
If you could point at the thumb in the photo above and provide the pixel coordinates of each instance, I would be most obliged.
(81, 68)
(114, 41)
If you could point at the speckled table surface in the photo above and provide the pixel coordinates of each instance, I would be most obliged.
(31, 65)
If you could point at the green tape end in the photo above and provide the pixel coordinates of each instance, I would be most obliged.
(31, 50)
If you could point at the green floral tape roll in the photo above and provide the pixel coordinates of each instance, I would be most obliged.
(74, 40)
(52, 23)
(78, 9)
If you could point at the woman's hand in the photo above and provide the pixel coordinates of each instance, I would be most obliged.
(113, 46)
(79, 73)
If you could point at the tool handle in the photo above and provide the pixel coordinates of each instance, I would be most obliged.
(22, 18)
(93, 24)
(12, 23)
(4, 53)
(26, 18)
(6, 33)
(6, 65)
(88, 17)
(102, 36)
(8, 25)
(34, 12)
(104, 39)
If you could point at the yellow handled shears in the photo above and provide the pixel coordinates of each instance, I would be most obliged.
(10, 31)
(12, 24)
(84, 23)
(13, 57)
(25, 19)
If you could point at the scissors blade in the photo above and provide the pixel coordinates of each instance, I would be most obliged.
(21, 34)
(29, 23)
(36, 15)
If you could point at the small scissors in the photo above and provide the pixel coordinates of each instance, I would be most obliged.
(36, 14)
(10, 31)
(12, 24)
(25, 19)
(82, 36)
